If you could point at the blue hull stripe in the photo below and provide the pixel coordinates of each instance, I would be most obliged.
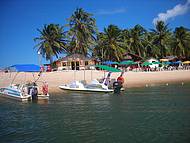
(12, 92)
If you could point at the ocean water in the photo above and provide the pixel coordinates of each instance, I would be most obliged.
(159, 114)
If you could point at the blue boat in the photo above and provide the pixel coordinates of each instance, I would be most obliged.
(26, 91)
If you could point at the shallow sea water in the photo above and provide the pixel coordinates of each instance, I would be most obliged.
(159, 114)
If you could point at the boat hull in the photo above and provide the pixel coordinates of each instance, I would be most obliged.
(42, 96)
(63, 87)
(13, 94)
(17, 95)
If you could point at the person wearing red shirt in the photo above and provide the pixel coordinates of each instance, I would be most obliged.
(120, 79)
(117, 85)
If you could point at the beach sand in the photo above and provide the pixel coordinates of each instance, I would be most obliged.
(132, 79)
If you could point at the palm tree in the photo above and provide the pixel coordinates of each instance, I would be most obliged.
(82, 31)
(162, 37)
(51, 41)
(181, 42)
(126, 40)
(136, 40)
(110, 44)
(151, 50)
(98, 51)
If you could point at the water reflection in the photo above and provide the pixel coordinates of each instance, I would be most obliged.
(41, 101)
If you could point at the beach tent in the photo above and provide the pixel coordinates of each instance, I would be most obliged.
(186, 62)
(110, 63)
(164, 60)
(156, 63)
(177, 62)
(146, 64)
(167, 63)
(129, 62)
(151, 60)
(134, 63)
(114, 63)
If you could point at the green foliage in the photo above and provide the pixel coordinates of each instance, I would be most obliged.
(151, 49)
(136, 40)
(82, 32)
(111, 44)
(51, 41)
(181, 42)
(53, 65)
(162, 37)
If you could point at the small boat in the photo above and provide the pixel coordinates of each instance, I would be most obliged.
(14, 92)
(94, 86)
(26, 91)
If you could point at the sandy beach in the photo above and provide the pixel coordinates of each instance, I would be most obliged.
(132, 79)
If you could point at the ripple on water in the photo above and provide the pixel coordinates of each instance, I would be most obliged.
(154, 114)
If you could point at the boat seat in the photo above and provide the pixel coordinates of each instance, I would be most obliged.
(95, 81)
(16, 86)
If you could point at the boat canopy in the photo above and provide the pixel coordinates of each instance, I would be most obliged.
(111, 69)
(25, 68)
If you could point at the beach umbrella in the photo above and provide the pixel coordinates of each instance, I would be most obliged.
(164, 60)
(107, 68)
(107, 62)
(146, 64)
(114, 63)
(129, 62)
(156, 63)
(110, 63)
(134, 63)
(178, 62)
(186, 62)
(167, 63)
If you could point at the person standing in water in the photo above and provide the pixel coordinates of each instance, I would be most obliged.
(117, 85)
(120, 79)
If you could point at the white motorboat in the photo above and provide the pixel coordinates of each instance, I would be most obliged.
(14, 92)
(94, 86)
(27, 91)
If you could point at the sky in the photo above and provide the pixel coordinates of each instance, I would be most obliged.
(20, 19)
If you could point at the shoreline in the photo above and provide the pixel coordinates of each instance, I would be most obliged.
(132, 79)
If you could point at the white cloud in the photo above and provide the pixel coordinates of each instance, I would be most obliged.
(171, 13)
(110, 12)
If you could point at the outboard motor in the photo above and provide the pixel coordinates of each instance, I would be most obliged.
(117, 87)
(34, 93)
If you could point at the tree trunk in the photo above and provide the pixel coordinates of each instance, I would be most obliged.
(51, 61)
